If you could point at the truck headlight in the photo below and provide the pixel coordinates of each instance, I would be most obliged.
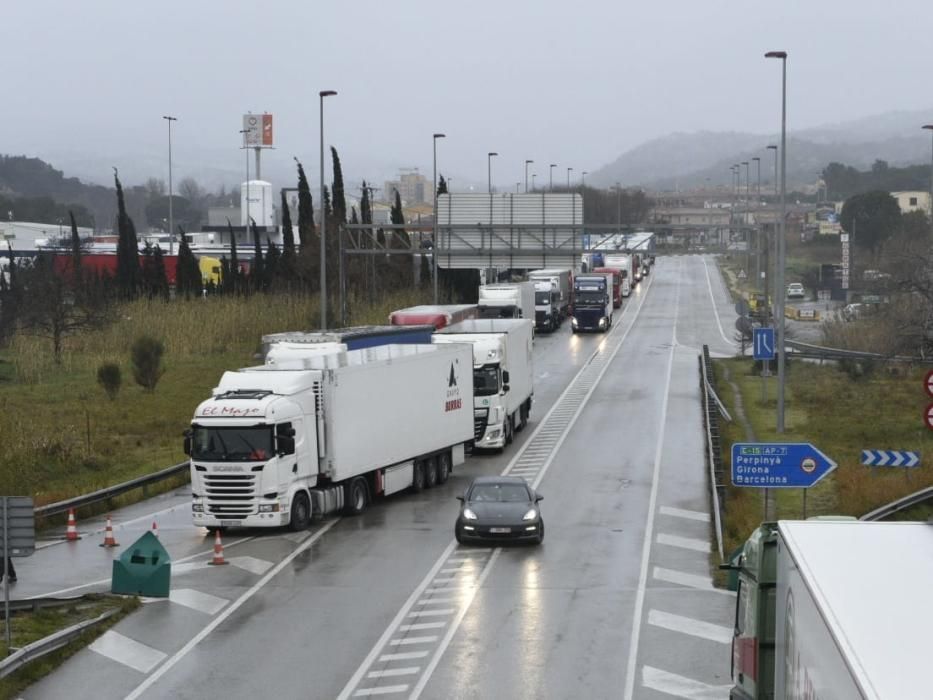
(574, 321)
(197, 507)
(268, 507)
(602, 322)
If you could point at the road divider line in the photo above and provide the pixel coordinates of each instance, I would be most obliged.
(680, 578)
(709, 286)
(681, 686)
(685, 514)
(232, 608)
(690, 626)
(683, 542)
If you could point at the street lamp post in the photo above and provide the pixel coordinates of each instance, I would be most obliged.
(771, 287)
(619, 206)
(434, 233)
(489, 157)
(748, 264)
(322, 94)
(551, 180)
(781, 242)
(518, 187)
(171, 218)
(758, 227)
(930, 212)
(246, 148)
(533, 188)
(527, 163)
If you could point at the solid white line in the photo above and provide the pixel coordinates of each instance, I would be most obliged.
(407, 671)
(683, 513)
(709, 285)
(688, 625)
(684, 542)
(680, 686)
(203, 634)
(126, 651)
(414, 640)
(701, 583)
(403, 655)
(418, 626)
(649, 524)
(384, 690)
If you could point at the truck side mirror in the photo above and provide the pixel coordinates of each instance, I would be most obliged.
(187, 445)
(505, 377)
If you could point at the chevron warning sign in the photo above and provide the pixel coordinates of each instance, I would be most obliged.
(890, 458)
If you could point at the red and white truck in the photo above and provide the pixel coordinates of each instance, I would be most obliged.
(439, 316)
(623, 262)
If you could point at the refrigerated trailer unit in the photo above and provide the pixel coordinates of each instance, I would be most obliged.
(503, 376)
(562, 280)
(355, 338)
(438, 316)
(507, 300)
(329, 431)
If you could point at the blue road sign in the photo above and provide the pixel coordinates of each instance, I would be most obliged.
(890, 458)
(790, 465)
(764, 344)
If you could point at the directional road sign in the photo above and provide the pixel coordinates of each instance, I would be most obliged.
(788, 465)
(764, 344)
(17, 526)
(890, 458)
(928, 383)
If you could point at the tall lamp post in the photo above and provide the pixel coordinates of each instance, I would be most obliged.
(619, 206)
(489, 157)
(781, 242)
(772, 288)
(527, 163)
(551, 177)
(245, 133)
(533, 176)
(758, 226)
(569, 170)
(171, 217)
(930, 212)
(322, 94)
(434, 233)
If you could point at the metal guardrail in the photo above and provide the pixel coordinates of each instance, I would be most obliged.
(899, 505)
(40, 603)
(111, 491)
(820, 352)
(714, 457)
(47, 645)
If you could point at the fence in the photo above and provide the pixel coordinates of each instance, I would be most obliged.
(712, 407)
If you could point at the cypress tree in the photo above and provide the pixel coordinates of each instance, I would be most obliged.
(442, 185)
(234, 286)
(288, 244)
(159, 276)
(340, 201)
(188, 272)
(76, 268)
(257, 273)
(272, 265)
(401, 264)
(307, 238)
(128, 272)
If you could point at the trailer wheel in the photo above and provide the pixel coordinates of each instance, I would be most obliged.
(524, 416)
(443, 467)
(430, 472)
(355, 496)
(301, 512)
(417, 476)
(509, 429)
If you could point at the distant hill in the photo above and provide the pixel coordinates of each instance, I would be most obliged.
(703, 158)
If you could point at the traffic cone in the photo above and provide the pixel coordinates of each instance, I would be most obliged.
(71, 533)
(155, 528)
(218, 559)
(109, 540)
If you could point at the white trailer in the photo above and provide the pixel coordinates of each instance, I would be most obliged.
(625, 263)
(507, 300)
(503, 376)
(562, 279)
(328, 431)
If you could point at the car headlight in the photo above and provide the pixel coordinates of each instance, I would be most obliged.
(530, 515)
(574, 321)
(469, 514)
(197, 507)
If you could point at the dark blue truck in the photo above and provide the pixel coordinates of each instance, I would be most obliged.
(592, 302)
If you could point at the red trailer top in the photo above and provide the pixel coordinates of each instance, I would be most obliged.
(438, 316)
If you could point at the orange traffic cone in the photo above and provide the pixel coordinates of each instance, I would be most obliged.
(218, 559)
(155, 528)
(71, 533)
(109, 540)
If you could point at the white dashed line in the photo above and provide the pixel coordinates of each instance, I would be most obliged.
(196, 600)
(251, 564)
(688, 625)
(384, 690)
(418, 626)
(684, 542)
(702, 583)
(403, 656)
(686, 514)
(126, 651)
(680, 686)
(413, 640)
(432, 613)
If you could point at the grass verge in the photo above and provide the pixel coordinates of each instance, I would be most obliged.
(29, 627)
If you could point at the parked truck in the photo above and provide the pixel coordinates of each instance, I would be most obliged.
(833, 609)
(625, 264)
(592, 302)
(563, 280)
(355, 338)
(637, 267)
(438, 315)
(616, 284)
(328, 431)
(547, 306)
(507, 300)
(503, 376)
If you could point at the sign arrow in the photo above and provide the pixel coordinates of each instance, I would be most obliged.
(890, 458)
(778, 465)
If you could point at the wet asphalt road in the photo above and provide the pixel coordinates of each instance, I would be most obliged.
(616, 603)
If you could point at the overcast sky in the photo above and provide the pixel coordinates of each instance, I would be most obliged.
(559, 82)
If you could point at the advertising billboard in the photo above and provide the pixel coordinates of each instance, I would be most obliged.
(257, 130)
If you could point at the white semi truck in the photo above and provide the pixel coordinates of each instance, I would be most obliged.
(561, 283)
(507, 300)
(503, 376)
(626, 264)
(320, 430)
(834, 609)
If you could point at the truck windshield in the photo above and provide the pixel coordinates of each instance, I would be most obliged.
(542, 298)
(486, 381)
(232, 444)
(590, 298)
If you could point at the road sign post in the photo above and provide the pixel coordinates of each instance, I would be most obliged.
(763, 350)
(18, 525)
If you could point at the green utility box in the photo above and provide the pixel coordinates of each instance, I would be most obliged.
(143, 569)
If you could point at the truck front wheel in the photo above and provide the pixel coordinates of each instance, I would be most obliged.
(355, 496)
(301, 512)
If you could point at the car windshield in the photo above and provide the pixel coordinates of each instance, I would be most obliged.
(542, 298)
(498, 493)
(486, 381)
(231, 444)
(590, 298)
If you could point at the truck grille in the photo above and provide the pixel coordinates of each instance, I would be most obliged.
(480, 418)
(230, 496)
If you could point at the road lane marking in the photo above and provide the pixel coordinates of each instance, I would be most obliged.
(564, 412)
(407, 671)
(701, 583)
(418, 626)
(688, 625)
(684, 542)
(681, 686)
(251, 564)
(232, 608)
(414, 640)
(126, 651)
(403, 655)
(384, 690)
(196, 600)
(652, 501)
(709, 285)
(433, 613)
(684, 513)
